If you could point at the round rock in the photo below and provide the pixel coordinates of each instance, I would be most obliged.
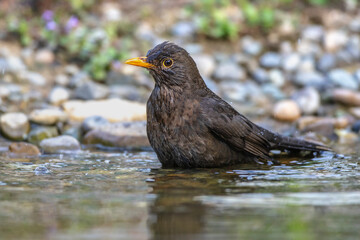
(15, 125)
(93, 122)
(343, 78)
(58, 95)
(37, 134)
(60, 144)
(270, 60)
(48, 116)
(23, 148)
(308, 100)
(229, 71)
(286, 110)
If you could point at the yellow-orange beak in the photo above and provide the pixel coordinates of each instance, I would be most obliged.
(139, 61)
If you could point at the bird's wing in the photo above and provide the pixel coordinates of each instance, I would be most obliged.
(233, 128)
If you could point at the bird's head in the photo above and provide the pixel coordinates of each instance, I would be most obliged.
(169, 65)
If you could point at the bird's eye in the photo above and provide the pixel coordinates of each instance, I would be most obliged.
(168, 62)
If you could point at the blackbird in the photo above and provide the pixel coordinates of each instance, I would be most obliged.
(189, 126)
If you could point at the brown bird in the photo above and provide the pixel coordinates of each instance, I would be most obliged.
(189, 126)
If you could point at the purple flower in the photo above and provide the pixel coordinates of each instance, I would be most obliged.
(51, 26)
(48, 15)
(71, 23)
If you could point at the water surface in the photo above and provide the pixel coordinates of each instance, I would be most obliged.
(126, 195)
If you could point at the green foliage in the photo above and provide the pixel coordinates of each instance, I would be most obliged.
(318, 2)
(20, 27)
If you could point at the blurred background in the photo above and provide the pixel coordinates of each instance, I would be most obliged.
(292, 66)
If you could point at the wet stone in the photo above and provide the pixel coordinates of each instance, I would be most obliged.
(60, 144)
(15, 126)
(48, 116)
(286, 110)
(93, 122)
(342, 78)
(308, 100)
(37, 134)
(41, 170)
(124, 134)
(23, 148)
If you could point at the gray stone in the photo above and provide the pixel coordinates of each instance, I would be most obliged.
(307, 64)
(290, 62)
(37, 134)
(41, 170)
(229, 71)
(353, 47)
(124, 134)
(270, 60)
(33, 78)
(277, 77)
(78, 79)
(62, 80)
(326, 62)
(354, 25)
(71, 69)
(183, 29)
(58, 95)
(14, 126)
(313, 33)
(308, 100)
(272, 91)
(234, 91)
(60, 144)
(342, 78)
(205, 64)
(15, 64)
(306, 47)
(128, 92)
(357, 75)
(91, 91)
(93, 122)
(48, 116)
(314, 78)
(344, 57)
(260, 75)
(251, 46)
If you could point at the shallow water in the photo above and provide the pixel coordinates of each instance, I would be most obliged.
(105, 195)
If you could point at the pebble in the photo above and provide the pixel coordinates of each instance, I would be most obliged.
(357, 75)
(111, 11)
(234, 91)
(276, 77)
(313, 33)
(58, 95)
(15, 125)
(114, 110)
(251, 46)
(346, 137)
(60, 144)
(307, 64)
(354, 25)
(356, 126)
(48, 116)
(260, 75)
(313, 78)
(37, 134)
(128, 92)
(355, 111)
(344, 57)
(308, 100)
(307, 48)
(184, 29)
(353, 47)
(41, 170)
(23, 148)
(205, 63)
(33, 78)
(14, 64)
(346, 96)
(326, 62)
(124, 134)
(270, 60)
(44, 56)
(323, 126)
(273, 91)
(342, 78)
(334, 39)
(90, 90)
(62, 80)
(286, 110)
(78, 79)
(93, 122)
(290, 62)
(229, 71)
